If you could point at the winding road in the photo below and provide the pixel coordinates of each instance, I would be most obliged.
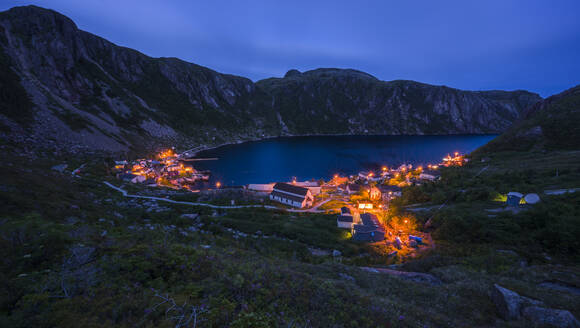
(269, 207)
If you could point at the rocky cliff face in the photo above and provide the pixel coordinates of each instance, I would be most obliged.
(550, 124)
(349, 101)
(65, 86)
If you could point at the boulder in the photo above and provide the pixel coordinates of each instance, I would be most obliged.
(553, 317)
(192, 216)
(507, 302)
(346, 276)
(60, 168)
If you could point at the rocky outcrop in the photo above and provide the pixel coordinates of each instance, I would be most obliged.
(507, 302)
(511, 306)
(550, 317)
(67, 86)
(411, 276)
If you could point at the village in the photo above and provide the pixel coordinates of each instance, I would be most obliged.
(167, 169)
(361, 202)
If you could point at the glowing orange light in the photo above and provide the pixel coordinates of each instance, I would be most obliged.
(218, 184)
(384, 168)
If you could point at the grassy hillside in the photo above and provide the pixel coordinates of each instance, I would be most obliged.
(76, 253)
(552, 124)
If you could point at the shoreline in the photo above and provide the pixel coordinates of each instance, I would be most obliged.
(340, 135)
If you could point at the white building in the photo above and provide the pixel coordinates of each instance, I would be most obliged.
(292, 195)
(267, 187)
(344, 221)
(430, 175)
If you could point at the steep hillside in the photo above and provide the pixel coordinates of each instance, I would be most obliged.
(64, 86)
(552, 124)
(349, 101)
(108, 96)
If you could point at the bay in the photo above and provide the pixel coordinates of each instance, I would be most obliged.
(316, 157)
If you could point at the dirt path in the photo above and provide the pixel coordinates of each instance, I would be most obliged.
(560, 191)
(412, 276)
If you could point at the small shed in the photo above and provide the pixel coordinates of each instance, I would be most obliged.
(389, 192)
(532, 198)
(514, 198)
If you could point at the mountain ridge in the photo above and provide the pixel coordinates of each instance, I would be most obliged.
(88, 92)
(550, 124)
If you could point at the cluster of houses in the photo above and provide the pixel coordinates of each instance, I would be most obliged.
(455, 160)
(383, 186)
(167, 169)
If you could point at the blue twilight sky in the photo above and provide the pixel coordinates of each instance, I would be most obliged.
(476, 45)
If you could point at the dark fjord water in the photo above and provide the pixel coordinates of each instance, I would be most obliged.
(307, 158)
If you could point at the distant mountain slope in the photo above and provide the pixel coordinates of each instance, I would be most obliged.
(553, 123)
(349, 101)
(63, 86)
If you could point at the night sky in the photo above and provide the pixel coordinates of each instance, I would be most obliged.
(475, 45)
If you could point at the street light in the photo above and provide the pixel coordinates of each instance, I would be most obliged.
(218, 184)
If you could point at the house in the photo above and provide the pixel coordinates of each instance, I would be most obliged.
(313, 186)
(126, 176)
(365, 174)
(353, 188)
(345, 221)
(430, 175)
(121, 165)
(389, 192)
(374, 193)
(369, 175)
(369, 230)
(514, 198)
(365, 206)
(268, 187)
(292, 195)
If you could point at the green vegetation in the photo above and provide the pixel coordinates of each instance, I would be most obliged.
(473, 214)
(551, 124)
(75, 253)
